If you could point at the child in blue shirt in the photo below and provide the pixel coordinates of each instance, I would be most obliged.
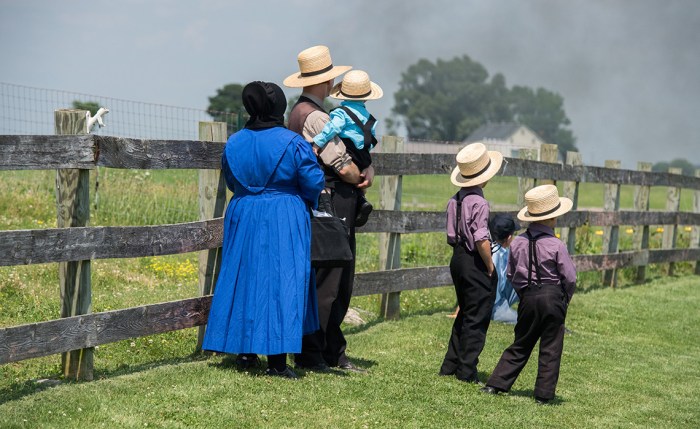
(502, 228)
(355, 126)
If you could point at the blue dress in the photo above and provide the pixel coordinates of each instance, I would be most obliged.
(265, 295)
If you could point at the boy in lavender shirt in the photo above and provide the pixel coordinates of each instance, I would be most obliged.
(471, 266)
(543, 275)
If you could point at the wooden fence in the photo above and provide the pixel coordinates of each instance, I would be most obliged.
(73, 245)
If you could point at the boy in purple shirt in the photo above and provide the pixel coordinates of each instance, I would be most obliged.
(471, 266)
(543, 275)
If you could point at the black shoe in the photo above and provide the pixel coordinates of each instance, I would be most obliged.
(350, 367)
(445, 373)
(473, 380)
(286, 373)
(319, 367)
(490, 390)
(247, 361)
(363, 213)
(542, 401)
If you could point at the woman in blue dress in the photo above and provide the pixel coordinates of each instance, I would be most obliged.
(265, 297)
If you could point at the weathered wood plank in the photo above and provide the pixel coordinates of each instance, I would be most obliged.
(525, 183)
(427, 277)
(673, 203)
(118, 152)
(390, 243)
(212, 204)
(46, 152)
(548, 153)
(641, 235)
(422, 221)
(611, 234)
(570, 190)
(63, 335)
(52, 152)
(695, 234)
(402, 279)
(38, 246)
(73, 210)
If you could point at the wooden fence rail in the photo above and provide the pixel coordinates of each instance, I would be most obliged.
(92, 151)
(39, 246)
(87, 152)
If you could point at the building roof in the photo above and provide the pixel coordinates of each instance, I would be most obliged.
(494, 131)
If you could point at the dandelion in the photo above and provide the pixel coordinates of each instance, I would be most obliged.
(688, 228)
(599, 232)
(660, 229)
(629, 230)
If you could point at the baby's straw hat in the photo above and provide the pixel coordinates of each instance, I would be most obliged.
(543, 202)
(356, 86)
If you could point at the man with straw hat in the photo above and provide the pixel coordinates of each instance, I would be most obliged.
(326, 347)
(471, 266)
(544, 276)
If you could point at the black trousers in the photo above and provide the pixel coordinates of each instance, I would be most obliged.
(541, 315)
(476, 293)
(334, 290)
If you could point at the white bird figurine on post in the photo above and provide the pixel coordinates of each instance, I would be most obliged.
(97, 118)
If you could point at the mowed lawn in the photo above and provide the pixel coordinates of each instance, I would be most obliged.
(633, 360)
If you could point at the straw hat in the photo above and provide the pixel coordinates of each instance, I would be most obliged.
(475, 165)
(543, 202)
(356, 86)
(315, 66)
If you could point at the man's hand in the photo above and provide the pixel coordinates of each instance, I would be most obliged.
(366, 177)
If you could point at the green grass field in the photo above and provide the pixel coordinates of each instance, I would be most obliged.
(633, 360)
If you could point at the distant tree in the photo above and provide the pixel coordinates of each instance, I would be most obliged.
(448, 100)
(92, 106)
(543, 112)
(227, 104)
(687, 166)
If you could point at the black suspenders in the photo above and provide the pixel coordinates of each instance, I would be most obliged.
(532, 259)
(460, 240)
(370, 140)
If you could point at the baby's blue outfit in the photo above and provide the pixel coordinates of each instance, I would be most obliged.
(505, 294)
(344, 127)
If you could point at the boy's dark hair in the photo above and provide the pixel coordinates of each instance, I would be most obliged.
(501, 226)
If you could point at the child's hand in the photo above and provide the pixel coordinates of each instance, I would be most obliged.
(315, 148)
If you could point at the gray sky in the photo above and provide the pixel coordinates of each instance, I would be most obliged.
(629, 70)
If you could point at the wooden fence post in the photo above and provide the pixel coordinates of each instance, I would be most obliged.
(548, 153)
(673, 204)
(641, 233)
(73, 210)
(212, 204)
(568, 235)
(525, 183)
(390, 243)
(611, 234)
(695, 235)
